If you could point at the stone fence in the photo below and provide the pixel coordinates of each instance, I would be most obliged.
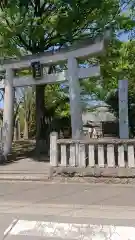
(115, 157)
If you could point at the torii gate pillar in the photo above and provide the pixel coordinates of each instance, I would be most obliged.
(8, 112)
(75, 100)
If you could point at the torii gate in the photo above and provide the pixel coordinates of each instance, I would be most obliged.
(70, 55)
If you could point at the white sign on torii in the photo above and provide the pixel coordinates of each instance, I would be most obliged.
(72, 75)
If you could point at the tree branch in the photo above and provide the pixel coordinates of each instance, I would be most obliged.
(27, 46)
(42, 8)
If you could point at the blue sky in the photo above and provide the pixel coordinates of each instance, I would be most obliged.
(1, 104)
(124, 37)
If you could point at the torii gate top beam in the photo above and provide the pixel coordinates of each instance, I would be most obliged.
(83, 51)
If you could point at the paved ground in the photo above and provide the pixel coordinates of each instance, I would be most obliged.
(25, 165)
(65, 206)
(27, 168)
(30, 169)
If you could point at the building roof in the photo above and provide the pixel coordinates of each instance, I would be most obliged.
(101, 114)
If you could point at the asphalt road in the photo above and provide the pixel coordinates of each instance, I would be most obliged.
(66, 211)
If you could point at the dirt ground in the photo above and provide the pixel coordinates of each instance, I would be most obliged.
(24, 149)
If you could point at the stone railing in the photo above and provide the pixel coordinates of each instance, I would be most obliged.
(93, 154)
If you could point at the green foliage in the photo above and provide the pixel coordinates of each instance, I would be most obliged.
(119, 64)
(35, 26)
(112, 101)
(57, 100)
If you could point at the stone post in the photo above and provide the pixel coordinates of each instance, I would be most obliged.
(75, 100)
(123, 109)
(8, 112)
(53, 149)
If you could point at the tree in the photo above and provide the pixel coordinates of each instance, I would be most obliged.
(25, 110)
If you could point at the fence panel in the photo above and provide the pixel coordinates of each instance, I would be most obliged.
(110, 155)
(91, 155)
(101, 153)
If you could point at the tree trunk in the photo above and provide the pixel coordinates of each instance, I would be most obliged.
(25, 136)
(40, 123)
(17, 131)
(43, 121)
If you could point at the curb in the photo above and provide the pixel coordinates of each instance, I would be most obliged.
(45, 178)
(24, 179)
(17, 176)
